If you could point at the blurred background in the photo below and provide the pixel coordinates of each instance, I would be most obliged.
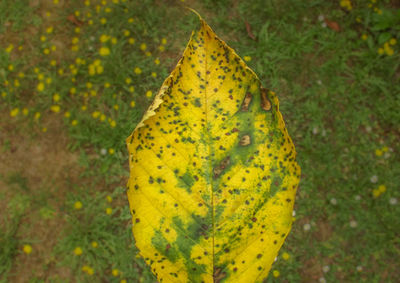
(76, 77)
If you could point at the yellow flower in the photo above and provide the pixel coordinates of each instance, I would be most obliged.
(84, 108)
(11, 67)
(78, 251)
(21, 75)
(164, 41)
(74, 122)
(161, 48)
(285, 256)
(149, 93)
(77, 205)
(143, 46)
(276, 273)
(55, 2)
(138, 70)
(385, 149)
(55, 108)
(48, 81)
(77, 30)
(37, 116)
(247, 58)
(378, 152)
(44, 129)
(99, 69)
(111, 151)
(392, 41)
(88, 269)
(40, 86)
(113, 124)
(94, 244)
(16, 83)
(115, 272)
(131, 88)
(114, 40)
(116, 106)
(43, 38)
(87, 2)
(109, 198)
(72, 90)
(157, 61)
(123, 281)
(380, 51)
(102, 117)
(27, 249)
(364, 37)
(10, 48)
(131, 40)
(25, 111)
(107, 85)
(131, 20)
(382, 189)
(14, 112)
(148, 53)
(104, 38)
(127, 32)
(132, 103)
(154, 74)
(53, 63)
(104, 51)
(376, 193)
(49, 29)
(96, 114)
(108, 210)
(103, 21)
(67, 114)
(128, 81)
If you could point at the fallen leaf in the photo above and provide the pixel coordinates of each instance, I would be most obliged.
(213, 171)
(74, 20)
(249, 32)
(332, 25)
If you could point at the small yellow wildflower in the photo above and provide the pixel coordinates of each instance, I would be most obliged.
(132, 103)
(111, 151)
(77, 205)
(113, 124)
(55, 2)
(96, 114)
(16, 83)
(94, 244)
(67, 114)
(104, 51)
(43, 38)
(46, 51)
(78, 251)
(44, 129)
(77, 30)
(157, 61)
(107, 85)
(115, 272)
(21, 75)
(14, 112)
(72, 90)
(149, 93)
(84, 108)
(380, 51)
(49, 29)
(102, 117)
(88, 269)
(131, 40)
(104, 38)
(116, 106)
(285, 256)
(164, 41)
(40, 87)
(247, 58)
(10, 48)
(392, 41)
(61, 72)
(103, 21)
(55, 108)
(99, 69)
(131, 20)
(385, 149)
(123, 281)
(87, 2)
(127, 32)
(108, 210)
(89, 85)
(114, 40)
(48, 81)
(378, 152)
(161, 48)
(138, 70)
(376, 193)
(109, 198)
(37, 116)
(276, 273)
(131, 88)
(53, 63)
(143, 46)
(382, 189)
(364, 37)
(108, 10)
(11, 67)
(27, 249)
(128, 81)
(25, 111)
(74, 122)
(154, 74)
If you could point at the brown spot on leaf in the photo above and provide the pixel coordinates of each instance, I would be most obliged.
(245, 140)
(218, 275)
(265, 103)
(221, 167)
(246, 102)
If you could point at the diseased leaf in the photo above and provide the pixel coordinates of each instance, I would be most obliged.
(213, 174)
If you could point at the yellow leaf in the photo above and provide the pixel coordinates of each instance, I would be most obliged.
(213, 174)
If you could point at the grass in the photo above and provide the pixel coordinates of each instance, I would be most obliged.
(91, 71)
